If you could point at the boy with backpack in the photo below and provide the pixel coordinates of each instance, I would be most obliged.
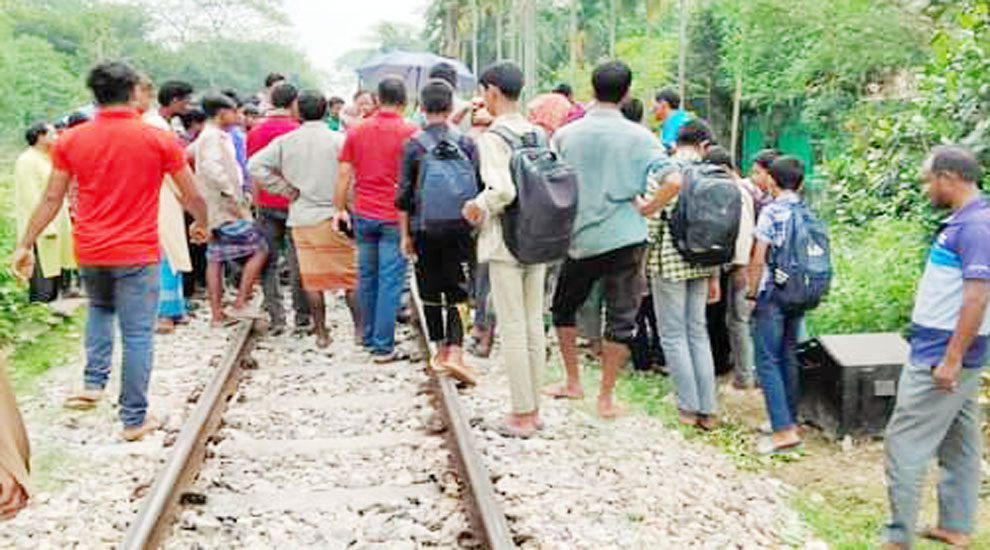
(789, 274)
(692, 237)
(612, 157)
(439, 175)
(517, 277)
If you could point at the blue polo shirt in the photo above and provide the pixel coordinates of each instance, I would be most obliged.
(961, 251)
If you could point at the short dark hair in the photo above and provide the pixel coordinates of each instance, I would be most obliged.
(192, 116)
(670, 96)
(506, 76)
(564, 89)
(335, 100)
(955, 159)
(788, 173)
(283, 95)
(251, 109)
(392, 91)
(764, 159)
(312, 105)
(233, 95)
(444, 71)
(437, 96)
(34, 133)
(214, 103)
(112, 82)
(611, 81)
(720, 156)
(694, 133)
(173, 90)
(272, 78)
(632, 109)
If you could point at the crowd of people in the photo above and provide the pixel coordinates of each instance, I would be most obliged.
(323, 196)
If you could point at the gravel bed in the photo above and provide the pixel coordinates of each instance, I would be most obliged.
(586, 483)
(324, 449)
(88, 480)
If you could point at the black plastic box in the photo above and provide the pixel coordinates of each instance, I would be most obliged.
(850, 382)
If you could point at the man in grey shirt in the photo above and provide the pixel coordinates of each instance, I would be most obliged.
(303, 166)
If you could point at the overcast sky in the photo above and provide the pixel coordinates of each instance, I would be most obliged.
(329, 28)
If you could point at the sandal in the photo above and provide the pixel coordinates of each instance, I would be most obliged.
(767, 448)
(84, 401)
(938, 534)
(223, 323)
(512, 430)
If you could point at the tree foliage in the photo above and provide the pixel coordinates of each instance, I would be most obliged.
(47, 46)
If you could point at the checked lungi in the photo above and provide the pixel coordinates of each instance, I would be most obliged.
(235, 240)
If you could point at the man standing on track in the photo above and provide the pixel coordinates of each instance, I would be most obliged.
(116, 233)
(371, 154)
(273, 211)
(303, 165)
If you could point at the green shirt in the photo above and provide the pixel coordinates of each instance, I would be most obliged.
(332, 122)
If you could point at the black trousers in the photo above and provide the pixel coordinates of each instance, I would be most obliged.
(442, 264)
(623, 274)
(42, 289)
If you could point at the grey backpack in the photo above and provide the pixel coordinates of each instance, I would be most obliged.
(537, 225)
(705, 222)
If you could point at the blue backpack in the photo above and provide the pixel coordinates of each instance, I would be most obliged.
(801, 267)
(447, 180)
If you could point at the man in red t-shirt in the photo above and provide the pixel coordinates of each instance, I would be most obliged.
(118, 162)
(273, 211)
(371, 154)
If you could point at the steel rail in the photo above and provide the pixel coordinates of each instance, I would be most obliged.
(489, 516)
(150, 528)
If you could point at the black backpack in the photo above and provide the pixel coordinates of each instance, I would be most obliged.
(537, 225)
(705, 223)
(801, 267)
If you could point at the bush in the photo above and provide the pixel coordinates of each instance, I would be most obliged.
(877, 268)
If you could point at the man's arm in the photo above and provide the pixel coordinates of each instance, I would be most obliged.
(344, 175)
(757, 265)
(189, 196)
(669, 186)
(976, 295)
(265, 168)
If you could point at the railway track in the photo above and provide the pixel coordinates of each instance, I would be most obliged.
(301, 448)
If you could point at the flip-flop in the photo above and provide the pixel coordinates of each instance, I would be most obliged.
(508, 430)
(767, 448)
(224, 323)
(462, 373)
(929, 534)
(81, 402)
(559, 391)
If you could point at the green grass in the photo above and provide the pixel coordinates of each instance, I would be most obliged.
(43, 345)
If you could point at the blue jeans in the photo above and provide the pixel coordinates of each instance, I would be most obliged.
(383, 269)
(775, 338)
(131, 295)
(680, 308)
(927, 424)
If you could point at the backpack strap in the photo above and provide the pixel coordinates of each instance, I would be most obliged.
(514, 140)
